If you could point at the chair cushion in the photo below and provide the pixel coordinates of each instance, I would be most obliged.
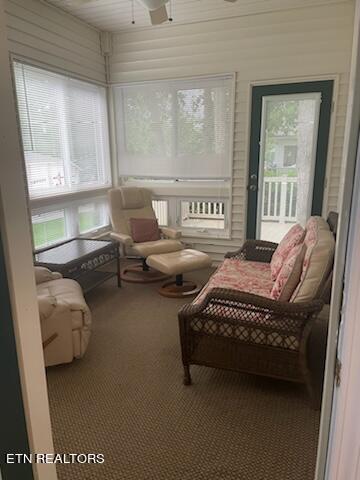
(318, 260)
(242, 275)
(159, 246)
(289, 275)
(144, 229)
(294, 237)
(179, 262)
(132, 197)
(66, 291)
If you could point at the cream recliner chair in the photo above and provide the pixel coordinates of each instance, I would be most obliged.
(134, 202)
(65, 318)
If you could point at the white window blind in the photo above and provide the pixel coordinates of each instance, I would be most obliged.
(64, 132)
(175, 129)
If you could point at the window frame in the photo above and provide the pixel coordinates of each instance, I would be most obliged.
(204, 232)
(174, 189)
(66, 199)
(72, 228)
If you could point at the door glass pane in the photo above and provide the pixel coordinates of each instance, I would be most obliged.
(287, 158)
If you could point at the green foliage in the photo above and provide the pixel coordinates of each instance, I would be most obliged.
(175, 122)
(50, 230)
(191, 128)
(281, 172)
(88, 220)
(282, 118)
(148, 123)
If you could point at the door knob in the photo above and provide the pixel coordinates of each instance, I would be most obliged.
(253, 188)
(253, 176)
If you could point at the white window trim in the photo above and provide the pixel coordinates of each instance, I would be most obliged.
(204, 232)
(72, 229)
(43, 203)
(59, 196)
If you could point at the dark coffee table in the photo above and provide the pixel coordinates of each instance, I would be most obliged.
(82, 259)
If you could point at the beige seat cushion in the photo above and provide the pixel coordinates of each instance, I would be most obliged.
(156, 247)
(179, 262)
(318, 260)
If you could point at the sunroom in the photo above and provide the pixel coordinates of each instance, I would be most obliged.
(179, 195)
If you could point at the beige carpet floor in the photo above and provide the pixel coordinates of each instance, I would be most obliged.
(126, 399)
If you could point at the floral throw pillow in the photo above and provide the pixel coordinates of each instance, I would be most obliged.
(294, 237)
(289, 275)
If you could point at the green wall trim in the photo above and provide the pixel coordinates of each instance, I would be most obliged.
(13, 432)
(325, 87)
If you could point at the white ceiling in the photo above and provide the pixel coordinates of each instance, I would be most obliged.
(116, 15)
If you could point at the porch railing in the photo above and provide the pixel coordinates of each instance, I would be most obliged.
(279, 201)
(204, 210)
(161, 211)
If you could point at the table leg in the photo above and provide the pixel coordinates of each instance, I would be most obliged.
(118, 268)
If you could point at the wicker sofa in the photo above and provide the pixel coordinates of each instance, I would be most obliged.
(235, 324)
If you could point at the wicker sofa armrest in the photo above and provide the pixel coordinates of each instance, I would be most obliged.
(219, 299)
(254, 250)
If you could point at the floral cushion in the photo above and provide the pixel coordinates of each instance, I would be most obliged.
(289, 275)
(250, 277)
(294, 237)
(245, 276)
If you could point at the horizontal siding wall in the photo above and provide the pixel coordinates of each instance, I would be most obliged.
(306, 43)
(42, 33)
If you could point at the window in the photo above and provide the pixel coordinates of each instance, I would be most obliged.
(64, 131)
(53, 224)
(178, 135)
(48, 228)
(203, 215)
(161, 211)
(175, 129)
(290, 155)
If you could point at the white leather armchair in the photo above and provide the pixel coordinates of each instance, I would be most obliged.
(133, 202)
(64, 316)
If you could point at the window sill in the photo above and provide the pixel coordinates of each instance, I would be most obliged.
(39, 202)
(204, 235)
(213, 189)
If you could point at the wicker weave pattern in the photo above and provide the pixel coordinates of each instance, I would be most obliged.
(254, 250)
(244, 332)
(251, 319)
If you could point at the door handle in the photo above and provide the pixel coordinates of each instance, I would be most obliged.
(253, 188)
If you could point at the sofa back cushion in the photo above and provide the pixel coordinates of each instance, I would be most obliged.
(294, 237)
(144, 229)
(289, 275)
(318, 260)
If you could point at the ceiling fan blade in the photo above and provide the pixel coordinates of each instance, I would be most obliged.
(77, 3)
(159, 15)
